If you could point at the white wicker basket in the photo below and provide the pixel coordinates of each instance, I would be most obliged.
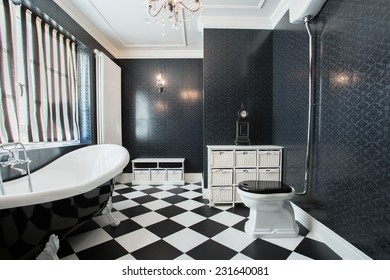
(269, 158)
(245, 158)
(222, 176)
(269, 174)
(245, 175)
(222, 159)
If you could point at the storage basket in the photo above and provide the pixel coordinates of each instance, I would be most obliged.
(175, 175)
(222, 158)
(141, 175)
(245, 158)
(222, 176)
(245, 175)
(269, 158)
(158, 175)
(269, 174)
(222, 194)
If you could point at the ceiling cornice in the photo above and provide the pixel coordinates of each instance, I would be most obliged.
(84, 23)
(154, 54)
(279, 12)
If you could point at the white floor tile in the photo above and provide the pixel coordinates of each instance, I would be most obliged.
(89, 239)
(188, 219)
(189, 204)
(186, 239)
(288, 243)
(148, 219)
(141, 187)
(162, 194)
(120, 205)
(166, 187)
(227, 218)
(137, 239)
(240, 257)
(156, 204)
(127, 257)
(296, 256)
(233, 238)
(184, 257)
(191, 187)
(190, 194)
(120, 187)
(132, 195)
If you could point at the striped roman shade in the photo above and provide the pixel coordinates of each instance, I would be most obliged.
(38, 79)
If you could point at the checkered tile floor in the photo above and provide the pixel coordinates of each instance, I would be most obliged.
(174, 222)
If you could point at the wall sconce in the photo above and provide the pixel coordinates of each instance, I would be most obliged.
(160, 82)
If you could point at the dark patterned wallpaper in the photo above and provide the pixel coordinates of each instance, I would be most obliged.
(351, 194)
(167, 124)
(237, 68)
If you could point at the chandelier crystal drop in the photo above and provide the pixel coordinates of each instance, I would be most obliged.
(177, 11)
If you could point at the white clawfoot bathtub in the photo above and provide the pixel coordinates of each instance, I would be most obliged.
(66, 193)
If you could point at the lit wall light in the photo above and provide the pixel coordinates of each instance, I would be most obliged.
(160, 82)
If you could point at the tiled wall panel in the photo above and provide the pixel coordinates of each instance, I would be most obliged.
(167, 124)
(237, 68)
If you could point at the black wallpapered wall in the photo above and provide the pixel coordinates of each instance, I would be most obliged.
(167, 124)
(237, 68)
(351, 194)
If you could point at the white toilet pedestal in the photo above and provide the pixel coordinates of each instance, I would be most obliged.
(270, 215)
(273, 219)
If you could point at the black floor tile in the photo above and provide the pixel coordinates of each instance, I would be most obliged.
(118, 198)
(144, 199)
(316, 250)
(159, 250)
(177, 190)
(211, 250)
(240, 225)
(124, 227)
(135, 211)
(208, 228)
(174, 199)
(125, 190)
(263, 250)
(109, 250)
(302, 230)
(240, 209)
(165, 228)
(151, 190)
(206, 211)
(170, 211)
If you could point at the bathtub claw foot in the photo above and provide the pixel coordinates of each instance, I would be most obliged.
(107, 211)
(51, 249)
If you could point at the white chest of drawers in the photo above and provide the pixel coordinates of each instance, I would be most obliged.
(229, 165)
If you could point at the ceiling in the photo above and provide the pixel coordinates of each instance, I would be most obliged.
(120, 25)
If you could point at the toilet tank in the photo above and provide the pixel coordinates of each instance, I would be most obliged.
(302, 8)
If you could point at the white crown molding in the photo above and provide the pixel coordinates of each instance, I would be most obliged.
(152, 54)
(279, 13)
(84, 23)
(237, 7)
(234, 23)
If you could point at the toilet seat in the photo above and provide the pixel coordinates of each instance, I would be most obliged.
(264, 187)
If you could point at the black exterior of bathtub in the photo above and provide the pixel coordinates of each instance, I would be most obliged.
(25, 230)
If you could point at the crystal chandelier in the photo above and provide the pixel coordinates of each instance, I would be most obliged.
(178, 11)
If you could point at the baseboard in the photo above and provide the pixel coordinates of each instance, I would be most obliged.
(188, 177)
(338, 244)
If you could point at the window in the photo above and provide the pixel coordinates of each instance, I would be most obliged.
(40, 80)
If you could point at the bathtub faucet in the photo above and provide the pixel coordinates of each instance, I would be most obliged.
(11, 151)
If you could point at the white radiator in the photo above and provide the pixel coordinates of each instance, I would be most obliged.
(108, 100)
